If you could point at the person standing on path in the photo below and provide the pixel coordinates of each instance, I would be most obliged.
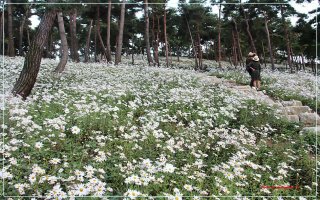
(255, 67)
(248, 61)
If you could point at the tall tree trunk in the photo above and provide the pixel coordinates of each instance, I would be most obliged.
(302, 61)
(108, 32)
(95, 44)
(269, 41)
(64, 45)
(86, 51)
(193, 46)
(157, 42)
(252, 46)
(120, 35)
(199, 49)
(234, 48)
(1, 32)
(146, 35)
(31, 66)
(286, 37)
(165, 33)
(21, 28)
(264, 55)
(238, 43)
(73, 36)
(11, 50)
(28, 35)
(219, 37)
(98, 31)
(153, 40)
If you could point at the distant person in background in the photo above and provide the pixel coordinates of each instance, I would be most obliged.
(248, 61)
(255, 68)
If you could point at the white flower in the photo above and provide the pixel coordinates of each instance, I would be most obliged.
(75, 130)
(132, 194)
(188, 187)
(55, 161)
(32, 178)
(81, 190)
(38, 145)
(168, 168)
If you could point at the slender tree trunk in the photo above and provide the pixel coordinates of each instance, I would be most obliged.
(238, 43)
(302, 61)
(146, 35)
(11, 50)
(287, 38)
(21, 28)
(253, 47)
(1, 33)
(234, 44)
(153, 40)
(73, 38)
(95, 43)
(31, 66)
(64, 44)
(28, 34)
(199, 48)
(86, 51)
(219, 37)
(193, 46)
(165, 33)
(264, 55)
(269, 42)
(120, 35)
(98, 31)
(108, 32)
(157, 42)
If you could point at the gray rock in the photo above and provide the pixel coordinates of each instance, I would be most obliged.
(311, 129)
(296, 110)
(291, 103)
(309, 119)
(293, 118)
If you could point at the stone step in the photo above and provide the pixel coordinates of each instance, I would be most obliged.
(292, 103)
(292, 118)
(311, 129)
(296, 110)
(309, 119)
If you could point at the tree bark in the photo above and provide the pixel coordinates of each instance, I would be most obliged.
(11, 50)
(108, 32)
(219, 37)
(165, 33)
(21, 28)
(269, 42)
(64, 45)
(199, 50)
(31, 66)
(120, 35)
(234, 48)
(73, 38)
(1, 32)
(146, 35)
(287, 38)
(86, 51)
(238, 43)
(193, 46)
(98, 31)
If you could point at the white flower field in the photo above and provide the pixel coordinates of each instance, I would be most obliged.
(101, 130)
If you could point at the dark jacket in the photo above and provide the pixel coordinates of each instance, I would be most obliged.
(257, 68)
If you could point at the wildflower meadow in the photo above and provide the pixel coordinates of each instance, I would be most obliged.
(133, 132)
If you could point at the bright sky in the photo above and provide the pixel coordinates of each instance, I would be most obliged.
(302, 8)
